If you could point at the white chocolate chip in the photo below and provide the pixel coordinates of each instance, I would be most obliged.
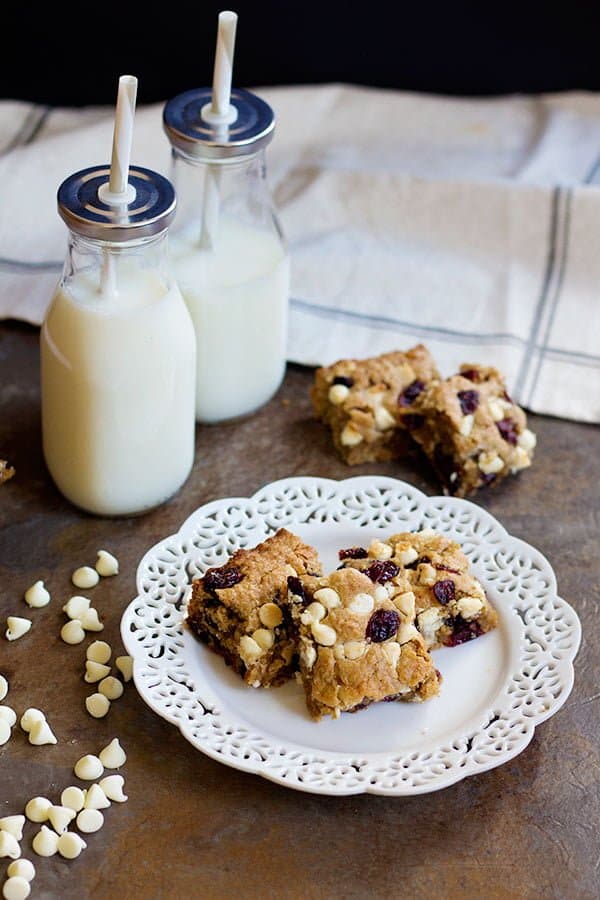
(338, 651)
(469, 607)
(328, 597)
(37, 809)
(41, 734)
(405, 603)
(95, 671)
(9, 845)
(113, 756)
(521, 460)
(391, 650)
(3, 687)
(125, 666)
(16, 888)
(72, 632)
(429, 622)
(90, 820)
(112, 786)
(111, 687)
(70, 845)
(308, 655)
(407, 632)
(106, 564)
(527, 440)
(381, 593)
(13, 825)
(490, 463)
(45, 842)
(21, 868)
(379, 550)
(383, 419)
(406, 556)
(99, 652)
(85, 577)
(30, 717)
(354, 649)
(350, 437)
(16, 627)
(427, 574)
(496, 409)
(264, 638)
(88, 768)
(361, 603)
(427, 533)
(7, 714)
(73, 798)
(96, 797)
(466, 425)
(323, 634)
(314, 612)
(270, 615)
(249, 649)
(90, 621)
(37, 596)
(76, 606)
(60, 817)
(97, 705)
(4, 732)
(338, 393)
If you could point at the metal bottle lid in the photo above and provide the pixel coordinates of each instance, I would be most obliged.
(149, 212)
(250, 128)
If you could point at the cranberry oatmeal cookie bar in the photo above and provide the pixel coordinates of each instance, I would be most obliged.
(471, 430)
(356, 646)
(240, 610)
(364, 401)
(427, 576)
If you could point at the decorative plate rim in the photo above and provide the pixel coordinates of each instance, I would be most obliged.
(151, 630)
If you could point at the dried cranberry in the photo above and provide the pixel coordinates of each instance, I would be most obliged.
(343, 379)
(381, 570)
(217, 579)
(444, 591)
(447, 569)
(463, 631)
(471, 374)
(353, 553)
(408, 396)
(469, 401)
(413, 420)
(296, 587)
(383, 624)
(508, 430)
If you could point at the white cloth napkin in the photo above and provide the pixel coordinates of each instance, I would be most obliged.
(470, 225)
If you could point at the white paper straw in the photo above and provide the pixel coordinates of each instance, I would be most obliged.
(223, 71)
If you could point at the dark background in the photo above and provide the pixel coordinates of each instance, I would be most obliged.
(69, 55)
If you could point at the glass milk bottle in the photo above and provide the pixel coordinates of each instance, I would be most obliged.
(117, 352)
(228, 252)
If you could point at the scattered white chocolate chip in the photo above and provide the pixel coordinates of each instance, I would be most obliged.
(41, 733)
(496, 409)
(97, 705)
(70, 845)
(249, 649)
(95, 671)
(76, 606)
(407, 632)
(314, 612)
(406, 556)
(361, 603)
(60, 817)
(73, 798)
(112, 786)
(328, 597)
(14, 826)
(21, 868)
(37, 809)
(270, 615)
(490, 463)
(8, 715)
(9, 845)
(323, 634)
(391, 650)
(96, 797)
(113, 756)
(379, 550)
(99, 652)
(112, 688)
(521, 460)
(338, 651)
(85, 577)
(466, 425)
(264, 638)
(338, 393)
(30, 717)
(90, 621)
(125, 664)
(427, 574)
(90, 820)
(88, 768)
(4, 732)
(106, 564)
(469, 607)
(72, 632)
(429, 622)
(350, 437)
(527, 440)
(45, 842)
(16, 627)
(16, 888)
(384, 419)
(354, 649)
(37, 595)
(381, 593)
(405, 603)
(3, 687)
(308, 655)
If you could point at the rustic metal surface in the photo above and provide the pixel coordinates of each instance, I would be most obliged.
(194, 828)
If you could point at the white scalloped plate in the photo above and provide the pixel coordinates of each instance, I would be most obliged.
(496, 689)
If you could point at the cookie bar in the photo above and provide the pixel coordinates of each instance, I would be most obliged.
(363, 402)
(471, 430)
(356, 646)
(427, 576)
(240, 609)
(6, 471)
